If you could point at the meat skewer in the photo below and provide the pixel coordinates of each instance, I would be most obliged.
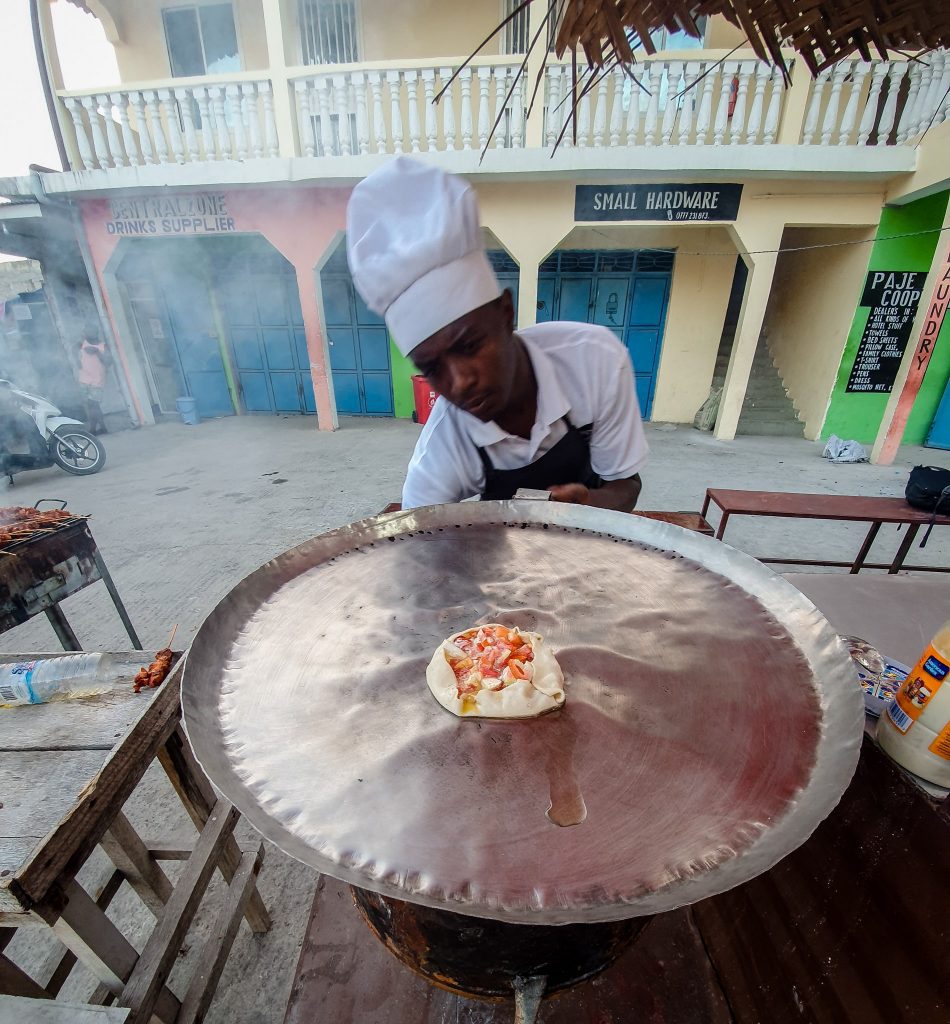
(155, 674)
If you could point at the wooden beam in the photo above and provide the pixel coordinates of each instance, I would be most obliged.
(130, 855)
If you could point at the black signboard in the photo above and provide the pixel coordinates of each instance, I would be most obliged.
(678, 203)
(893, 296)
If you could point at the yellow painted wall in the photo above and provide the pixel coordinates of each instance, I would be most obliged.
(721, 35)
(142, 55)
(395, 29)
(809, 314)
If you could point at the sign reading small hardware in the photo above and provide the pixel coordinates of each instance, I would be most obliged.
(678, 203)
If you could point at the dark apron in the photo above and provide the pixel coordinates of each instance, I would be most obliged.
(568, 462)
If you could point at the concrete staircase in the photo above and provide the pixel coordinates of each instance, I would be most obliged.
(767, 409)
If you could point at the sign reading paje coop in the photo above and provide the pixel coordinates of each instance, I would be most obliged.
(678, 203)
(205, 214)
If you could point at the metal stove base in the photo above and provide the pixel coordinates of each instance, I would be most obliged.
(345, 974)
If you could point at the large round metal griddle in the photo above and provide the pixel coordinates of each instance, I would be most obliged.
(712, 717)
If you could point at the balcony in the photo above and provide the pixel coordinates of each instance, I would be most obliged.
(334, 116)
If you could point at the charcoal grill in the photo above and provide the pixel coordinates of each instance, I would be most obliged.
(43, 568)
(711, 723)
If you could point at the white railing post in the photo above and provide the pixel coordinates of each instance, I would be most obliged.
(722, 109)
(484, 108)
(465, 105)
(878, 74)
(754, 123)
(141, 126)
(220, 122)
(233, 94)
(814, 107)
(674, 84)
(690, 74)
(99, 145)
(362, 121)
(112, 135)
(448, 110)
(908, 118)
(704, 109)
(830, 123)
(432, 122)
(184, 98)
(304, 118)
(326, 122)
(894, 76)
(395, 109)
(271, 139)
(600, 110)
(746, 69)
(342, 108)
(616, 107)
(82, 139)
(772, 114)
(249, 91)
(848, 120)
(649, 137)
(412, 101)
(206, 117)
(171, 120)
(936, 93)
(517, 114)
(120, 101)
(555, 112)
(379, 122)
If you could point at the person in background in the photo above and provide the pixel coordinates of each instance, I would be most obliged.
(94, 360)
(550, 407)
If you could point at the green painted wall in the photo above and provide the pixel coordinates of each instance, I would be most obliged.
(402, 371)
(858, 415)
(931, 389)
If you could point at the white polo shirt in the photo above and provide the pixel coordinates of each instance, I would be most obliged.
(583, 373)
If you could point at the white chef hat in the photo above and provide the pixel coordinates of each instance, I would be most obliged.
(415, 249)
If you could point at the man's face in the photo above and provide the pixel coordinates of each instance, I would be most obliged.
(472, 360)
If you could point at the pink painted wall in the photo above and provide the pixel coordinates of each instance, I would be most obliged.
(301, 224)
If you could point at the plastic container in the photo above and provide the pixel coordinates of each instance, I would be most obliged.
(915, 731)
(425, 397)
(188, 410)
(36, 682)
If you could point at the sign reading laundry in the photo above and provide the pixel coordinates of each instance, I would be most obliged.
(205, 214)
(657, 202)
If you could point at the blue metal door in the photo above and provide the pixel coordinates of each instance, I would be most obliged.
(627, 292)
(261, 306)
(359, 345)
(939, 436)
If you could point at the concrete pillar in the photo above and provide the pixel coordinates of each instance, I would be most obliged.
(316, 348)
(284, 114)
(796, 103)
(534, 126)
(758, 288)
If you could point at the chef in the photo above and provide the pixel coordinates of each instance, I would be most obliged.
(549, 407)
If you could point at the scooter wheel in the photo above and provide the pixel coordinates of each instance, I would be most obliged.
(77, 451)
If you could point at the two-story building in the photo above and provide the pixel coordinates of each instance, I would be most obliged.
(722, 222)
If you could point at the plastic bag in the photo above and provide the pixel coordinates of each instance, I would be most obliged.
(839, 450)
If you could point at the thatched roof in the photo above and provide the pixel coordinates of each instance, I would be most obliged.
(822, 31)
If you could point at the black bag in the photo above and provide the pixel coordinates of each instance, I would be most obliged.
(928, 488)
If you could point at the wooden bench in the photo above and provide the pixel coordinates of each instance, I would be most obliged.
(853, 508)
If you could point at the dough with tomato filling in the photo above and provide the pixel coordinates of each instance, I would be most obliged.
(494, 671)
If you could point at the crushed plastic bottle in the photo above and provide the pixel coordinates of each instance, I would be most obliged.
(46, 679)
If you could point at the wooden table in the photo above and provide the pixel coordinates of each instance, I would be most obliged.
(66, 770)
(841, 507)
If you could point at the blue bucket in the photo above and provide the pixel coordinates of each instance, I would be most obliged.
(188, 410)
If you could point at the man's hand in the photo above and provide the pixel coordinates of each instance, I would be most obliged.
(575, 494)
(620, 495)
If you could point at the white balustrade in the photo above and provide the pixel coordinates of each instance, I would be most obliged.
(184, 123)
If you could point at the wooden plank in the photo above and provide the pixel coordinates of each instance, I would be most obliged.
(16, 982)
(68, 960)
(129, 854)
(76, 835)
(792, 504)
(40, 1011)
(39, 789)
(168, 851)
(91, 723)
(161, 949)
(83, 928)
(217, 947)
(198, 796)
(345, 974)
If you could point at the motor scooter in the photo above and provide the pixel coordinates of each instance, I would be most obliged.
(34, 434)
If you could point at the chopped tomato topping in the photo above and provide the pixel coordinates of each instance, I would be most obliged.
(487, 653)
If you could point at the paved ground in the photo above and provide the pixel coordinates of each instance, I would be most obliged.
(181, 514)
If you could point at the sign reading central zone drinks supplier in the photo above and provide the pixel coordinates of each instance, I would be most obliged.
(205, 214)
(679, 203)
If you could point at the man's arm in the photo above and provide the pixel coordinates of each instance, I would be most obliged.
(620, 495)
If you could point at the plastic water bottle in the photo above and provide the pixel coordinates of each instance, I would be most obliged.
(36, 682)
